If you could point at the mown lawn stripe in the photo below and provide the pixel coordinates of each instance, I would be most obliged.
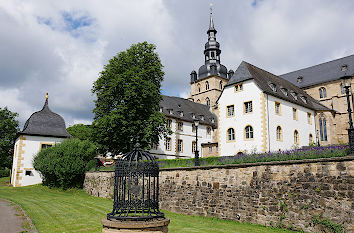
(55, 210)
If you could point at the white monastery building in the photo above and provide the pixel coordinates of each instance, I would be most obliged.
(43, 129)
(260, 112)
(250, 110)
(181, 114)
(246, 111)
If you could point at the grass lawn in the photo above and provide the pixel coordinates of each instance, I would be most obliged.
(55, 210)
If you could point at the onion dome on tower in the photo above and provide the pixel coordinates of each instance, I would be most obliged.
(45, 123)
(212, 52)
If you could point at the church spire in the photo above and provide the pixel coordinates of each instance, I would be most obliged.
(211, 23)
(212, 48)
(212, 65)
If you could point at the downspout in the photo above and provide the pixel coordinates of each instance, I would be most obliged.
(316, 132)
(268, 125)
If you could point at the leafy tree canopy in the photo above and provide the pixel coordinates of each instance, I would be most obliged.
(128, 97)
(80, 131)
(8, 131)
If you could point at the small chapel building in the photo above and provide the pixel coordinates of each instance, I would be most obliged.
(42, 130)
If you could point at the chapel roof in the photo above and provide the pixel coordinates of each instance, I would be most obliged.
(45, 123)
(187, 110)
(275, 86)
(321, 73)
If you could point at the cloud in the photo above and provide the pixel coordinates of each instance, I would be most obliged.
(61, 46)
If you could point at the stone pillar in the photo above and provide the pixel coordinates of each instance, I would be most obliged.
(157, 225)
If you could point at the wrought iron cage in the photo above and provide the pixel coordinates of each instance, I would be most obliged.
(136, 187)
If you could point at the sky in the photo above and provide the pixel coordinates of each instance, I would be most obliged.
(60, 47)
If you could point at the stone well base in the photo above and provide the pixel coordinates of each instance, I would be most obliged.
(159, 225)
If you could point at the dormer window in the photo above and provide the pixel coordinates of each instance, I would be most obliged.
(180, 113)
(193, 115)
(294, 95)
(284, 91)
(273, 87)
(201, 117)
(303, 98)
(170, 111)
(161, 109)
(179, 106)
(212, 120)
(299, 79)
(344, 68)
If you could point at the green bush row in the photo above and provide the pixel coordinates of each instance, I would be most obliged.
(298, 154)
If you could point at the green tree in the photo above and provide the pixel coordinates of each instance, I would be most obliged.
(80, 131)
(64, 165)
(8, 131)
(128, 97)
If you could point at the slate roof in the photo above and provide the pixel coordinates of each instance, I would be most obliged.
(264, 79)
(184, 109)
(321, 73)
(45, 123)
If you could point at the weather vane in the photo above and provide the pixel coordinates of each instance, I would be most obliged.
(211, 8)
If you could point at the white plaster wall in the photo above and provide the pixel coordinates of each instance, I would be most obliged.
(31, 146)
(239, 121)
(187, 136)
(289, 125)
(251, 92)
(14, 161)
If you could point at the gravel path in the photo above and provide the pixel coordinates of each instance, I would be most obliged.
(13, 219)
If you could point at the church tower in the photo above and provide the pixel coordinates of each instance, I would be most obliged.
(206, 86)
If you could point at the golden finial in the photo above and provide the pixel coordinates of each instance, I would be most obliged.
(46, 96)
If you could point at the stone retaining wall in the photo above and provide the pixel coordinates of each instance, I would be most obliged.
(287, 193)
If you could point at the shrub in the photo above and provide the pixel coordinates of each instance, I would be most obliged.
(65, 164)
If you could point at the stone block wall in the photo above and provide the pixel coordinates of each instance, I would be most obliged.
(289, 193)
(99, 184)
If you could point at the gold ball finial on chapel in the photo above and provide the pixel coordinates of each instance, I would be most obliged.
(46, 96)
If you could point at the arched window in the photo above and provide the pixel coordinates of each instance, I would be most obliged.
(208, 130)
(240, 153)
(230, 134)
(206, 85)
(220, 85)
(249, 132)
(310, 139)
(342, 89)
(279, 134)
(207, 101)
(212, 54)
(198, 101)
(296, 137)
(323, 92)
(198, 87)
(323, 128)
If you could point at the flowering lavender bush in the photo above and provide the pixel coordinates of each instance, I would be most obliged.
(296, 154)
